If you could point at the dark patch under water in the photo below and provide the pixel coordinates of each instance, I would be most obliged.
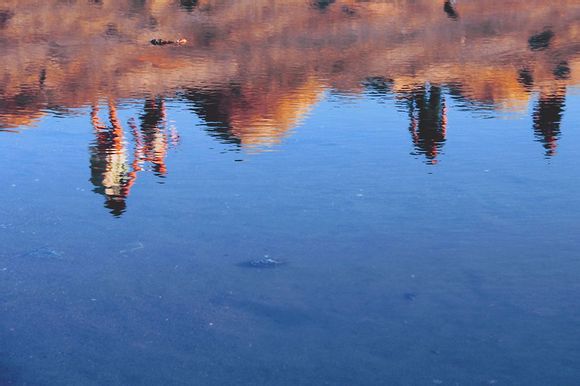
(282, 315)
(9, 376)
(262, 263)
(43, 253)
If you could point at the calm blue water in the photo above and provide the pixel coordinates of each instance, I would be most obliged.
(425, 240)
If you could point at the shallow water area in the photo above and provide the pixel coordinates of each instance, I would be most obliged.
(305, 192)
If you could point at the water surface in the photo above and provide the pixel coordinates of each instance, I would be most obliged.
(412, 165)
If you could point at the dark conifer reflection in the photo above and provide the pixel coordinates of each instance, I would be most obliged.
(188, 5)
(541, 41)
(426, 109)
(379, 86)
(548, 117)
(449, 8)
(428, 120)
(322, 4)
(212, 107)
(526, 78)
(5, 16)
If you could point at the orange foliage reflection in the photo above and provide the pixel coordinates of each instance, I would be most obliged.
(253, 69)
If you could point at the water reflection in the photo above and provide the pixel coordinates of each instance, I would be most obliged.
(252, 71)
(425, 106)
(407, 204)
(541, 41)
(255, 114)
(428, 120)
(113, 171)
(449, 8)
(548, 116)
(188, 5)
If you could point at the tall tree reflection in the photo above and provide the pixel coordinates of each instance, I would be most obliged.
(113, 172)
(428, 120)
(548, 117)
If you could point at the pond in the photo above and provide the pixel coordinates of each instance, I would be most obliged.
(289, 192)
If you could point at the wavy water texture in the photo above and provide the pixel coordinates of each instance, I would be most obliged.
(252, 70)
(261, 64)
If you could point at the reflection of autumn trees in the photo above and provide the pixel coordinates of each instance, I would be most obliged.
(253, 68)
(426, 108)
(113, 170)
(111, 173)
(254, 114)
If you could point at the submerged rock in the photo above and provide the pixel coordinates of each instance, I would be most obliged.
(410, 296)
(266, 262)
(44, 253)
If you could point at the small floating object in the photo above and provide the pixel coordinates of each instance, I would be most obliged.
(163, 42)
(348, 10)
(266, 262)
